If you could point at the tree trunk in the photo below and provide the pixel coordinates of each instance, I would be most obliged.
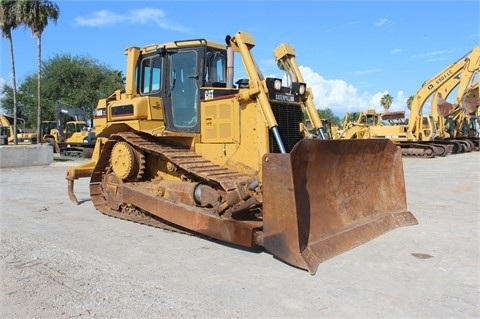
(14, 85)
(39, 69)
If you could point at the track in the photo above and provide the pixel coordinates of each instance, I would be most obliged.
(195, 167)
(438, 148)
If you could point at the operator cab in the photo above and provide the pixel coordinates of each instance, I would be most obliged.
(177, 75)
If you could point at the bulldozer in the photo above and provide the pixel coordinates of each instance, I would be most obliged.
(7, 135)
(356, 125)
(185, 148)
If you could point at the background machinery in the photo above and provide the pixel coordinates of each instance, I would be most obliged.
(70, 133)
(356, 125)
(7, 132)
(429, 129)
(425, 135)
(454, 118)
(186, 149)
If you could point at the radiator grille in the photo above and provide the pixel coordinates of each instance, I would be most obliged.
(289, 117)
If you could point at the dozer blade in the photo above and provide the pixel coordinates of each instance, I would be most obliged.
(327, 197)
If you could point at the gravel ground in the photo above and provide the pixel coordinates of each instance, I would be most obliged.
(59, 260)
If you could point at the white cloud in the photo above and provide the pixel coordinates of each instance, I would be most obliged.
(381, 22)
(341, 97)
(99, 19)
(138, 16)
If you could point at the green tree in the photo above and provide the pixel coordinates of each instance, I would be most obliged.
(386, 101)
(6, 103)
(8, 22)
(328, 114)
(73, 80)
(409, 102)
(35, 14)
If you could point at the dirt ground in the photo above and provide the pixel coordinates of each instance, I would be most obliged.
(59, 260)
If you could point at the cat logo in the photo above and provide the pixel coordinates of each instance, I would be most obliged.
(208, 94)
(157, 105)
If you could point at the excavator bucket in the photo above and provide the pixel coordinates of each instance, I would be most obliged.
(444, 107)
(470, 104)
(328, 196)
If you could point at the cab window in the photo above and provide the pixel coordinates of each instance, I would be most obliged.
(151, 73)
(215, 69)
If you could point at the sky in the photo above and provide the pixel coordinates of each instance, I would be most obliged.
(350, 53)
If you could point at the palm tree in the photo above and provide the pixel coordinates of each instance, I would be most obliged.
(386, 101)
(8, 22)
(409, 102)
(35, 14)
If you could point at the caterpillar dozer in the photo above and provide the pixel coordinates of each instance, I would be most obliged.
(7, 135)
(185, 148)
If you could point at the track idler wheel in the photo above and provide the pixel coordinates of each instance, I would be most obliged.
(127, 163)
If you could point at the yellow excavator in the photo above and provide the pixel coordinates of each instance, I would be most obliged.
(453, 118)
(424, 134)
(72, 137)
(185, 148)
(423, 130)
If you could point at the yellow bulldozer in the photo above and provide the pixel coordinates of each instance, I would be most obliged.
(7, 135)
(186, 148)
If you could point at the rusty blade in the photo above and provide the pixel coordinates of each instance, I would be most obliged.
(398, 115)
(327, 197)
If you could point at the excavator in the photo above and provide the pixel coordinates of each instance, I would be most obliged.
(424, 134)
(457, 75)
(471, 105)
(422, 130)
(457, 120)
(454, 118)
(70, 138)
(185, 148)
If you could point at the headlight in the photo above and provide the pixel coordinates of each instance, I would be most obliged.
(277, 84)
(302, 89)
(298, 88)
(274, 84)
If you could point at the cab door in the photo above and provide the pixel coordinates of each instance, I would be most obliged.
(182, 98)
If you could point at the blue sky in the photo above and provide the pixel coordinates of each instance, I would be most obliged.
(350, 52)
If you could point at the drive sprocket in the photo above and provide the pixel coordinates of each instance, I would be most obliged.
(127, 163)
